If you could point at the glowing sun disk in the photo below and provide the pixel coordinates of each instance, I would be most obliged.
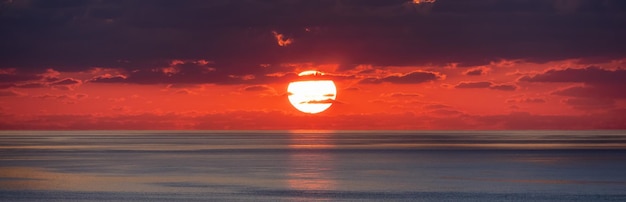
(312, 96)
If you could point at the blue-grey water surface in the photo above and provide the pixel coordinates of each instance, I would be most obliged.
(313, 165)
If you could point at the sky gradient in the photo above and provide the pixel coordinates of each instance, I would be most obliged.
(397, 64)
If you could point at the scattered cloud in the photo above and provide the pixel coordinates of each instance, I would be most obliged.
(421, 6)
(263, 90)
(402, 95)
(6, 86)
(67, 81)
(590, 103)
(30, 85)
(327, 101)
(504, 87)
(281, 39)
(408, 78)
(478, 84)
(8, 71)
(436, 106)
(445, 112)
(14, 76)
(527, 100)
(185, 92)
(593, 91)
(423, 1)
(590, 75)
(598, 87)
(108, 78)
(258, 88)
(4, 93)
(486, 84)
(478, 71)
(64, 98)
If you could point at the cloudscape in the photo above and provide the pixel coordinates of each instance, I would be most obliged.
(397, 64)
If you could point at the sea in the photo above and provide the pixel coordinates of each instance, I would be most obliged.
(313, 165)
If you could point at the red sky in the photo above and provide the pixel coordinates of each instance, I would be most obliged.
(444, 65)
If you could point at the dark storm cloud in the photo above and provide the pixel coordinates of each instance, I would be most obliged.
(239, 35)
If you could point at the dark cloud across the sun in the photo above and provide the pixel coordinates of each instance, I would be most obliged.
(239, 35)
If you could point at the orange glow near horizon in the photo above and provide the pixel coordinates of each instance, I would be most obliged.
(394, 99)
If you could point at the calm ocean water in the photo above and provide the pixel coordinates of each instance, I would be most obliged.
(313, 165)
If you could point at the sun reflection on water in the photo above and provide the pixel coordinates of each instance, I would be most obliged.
(311, 166)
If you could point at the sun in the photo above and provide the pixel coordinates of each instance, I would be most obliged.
(312, 93)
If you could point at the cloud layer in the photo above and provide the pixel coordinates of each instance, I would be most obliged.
(397, 64)
(75, 35)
